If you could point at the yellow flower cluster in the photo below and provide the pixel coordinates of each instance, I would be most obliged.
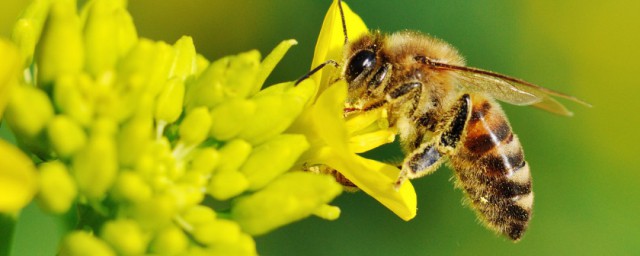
(160, 150)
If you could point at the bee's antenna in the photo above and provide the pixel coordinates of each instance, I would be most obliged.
(330, 62)
(344, 24)
(316, 69)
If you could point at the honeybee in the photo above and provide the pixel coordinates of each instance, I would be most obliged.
(445, 111)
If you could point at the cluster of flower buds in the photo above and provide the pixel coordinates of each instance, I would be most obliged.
(159, 150)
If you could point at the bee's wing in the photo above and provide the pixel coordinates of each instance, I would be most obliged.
(509, 89)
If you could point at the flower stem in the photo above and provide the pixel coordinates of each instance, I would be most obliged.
(8, 224)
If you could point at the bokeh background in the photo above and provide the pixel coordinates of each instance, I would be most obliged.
(585, 168)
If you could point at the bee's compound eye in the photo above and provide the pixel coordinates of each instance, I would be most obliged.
(362, 61)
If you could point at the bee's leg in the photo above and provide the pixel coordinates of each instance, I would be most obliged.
(404, 90)
(326, 170)
(459, 116)
(427, 157)
(400, 91)
(422, 161)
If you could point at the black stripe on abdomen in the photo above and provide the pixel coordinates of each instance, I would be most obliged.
(502, 163)
(485, 134)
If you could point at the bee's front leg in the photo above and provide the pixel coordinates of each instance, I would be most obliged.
(427, 157)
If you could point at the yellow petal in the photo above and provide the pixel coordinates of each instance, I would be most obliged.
(270, 62)
(330, 147)
(374, 178)
(331, 39)
(17, 178)
(369, 130)
(362, 120)
(368, 141)
(327, 112)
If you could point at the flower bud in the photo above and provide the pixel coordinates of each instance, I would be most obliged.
(9, 67)
(289, 198)
(127, 34)
(194, 129)
(72, 97)
(80, 243)
(125, 236)
(65, 135)
(130, 187)
(205, 160)
(231, 117)
(184, 64)
(225, 185)
(95, 166)
(28, 28)
(202, 64)
(101, 36)
(243, 246)
(327, 212)
(61, 49)
(232, 77)
(241, 74)
(18, 181)
(273, 158)
(57, 188)
(233, 154)
(29, 110)
(155, 212)
(104, 126)
(133, 139)
(185, 195)
(217, 231)
(168, 106)
(198, 215)
(195, 178)
(170, 241)
(279, 106)
(137, 73)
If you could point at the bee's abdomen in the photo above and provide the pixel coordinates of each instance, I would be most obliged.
(491, 168)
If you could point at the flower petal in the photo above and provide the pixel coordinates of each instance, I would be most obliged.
(374, 178)
(331, 40)
(368, 141)
(331, 147)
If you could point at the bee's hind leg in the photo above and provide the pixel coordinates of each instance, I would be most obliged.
(427, 157)
(422, 161)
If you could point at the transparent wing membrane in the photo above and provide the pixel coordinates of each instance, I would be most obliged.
(509, 89)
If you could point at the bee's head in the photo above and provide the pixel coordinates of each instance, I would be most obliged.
(359, 65)
(360, 58)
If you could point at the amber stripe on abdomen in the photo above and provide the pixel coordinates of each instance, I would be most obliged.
(486, 129)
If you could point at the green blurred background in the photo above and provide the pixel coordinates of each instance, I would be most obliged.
(585, 167)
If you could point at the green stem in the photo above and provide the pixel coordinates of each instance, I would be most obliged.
(7, 226)
(89, 218)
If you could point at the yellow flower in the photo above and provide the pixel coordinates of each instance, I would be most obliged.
(335, 141)
(136, 133)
